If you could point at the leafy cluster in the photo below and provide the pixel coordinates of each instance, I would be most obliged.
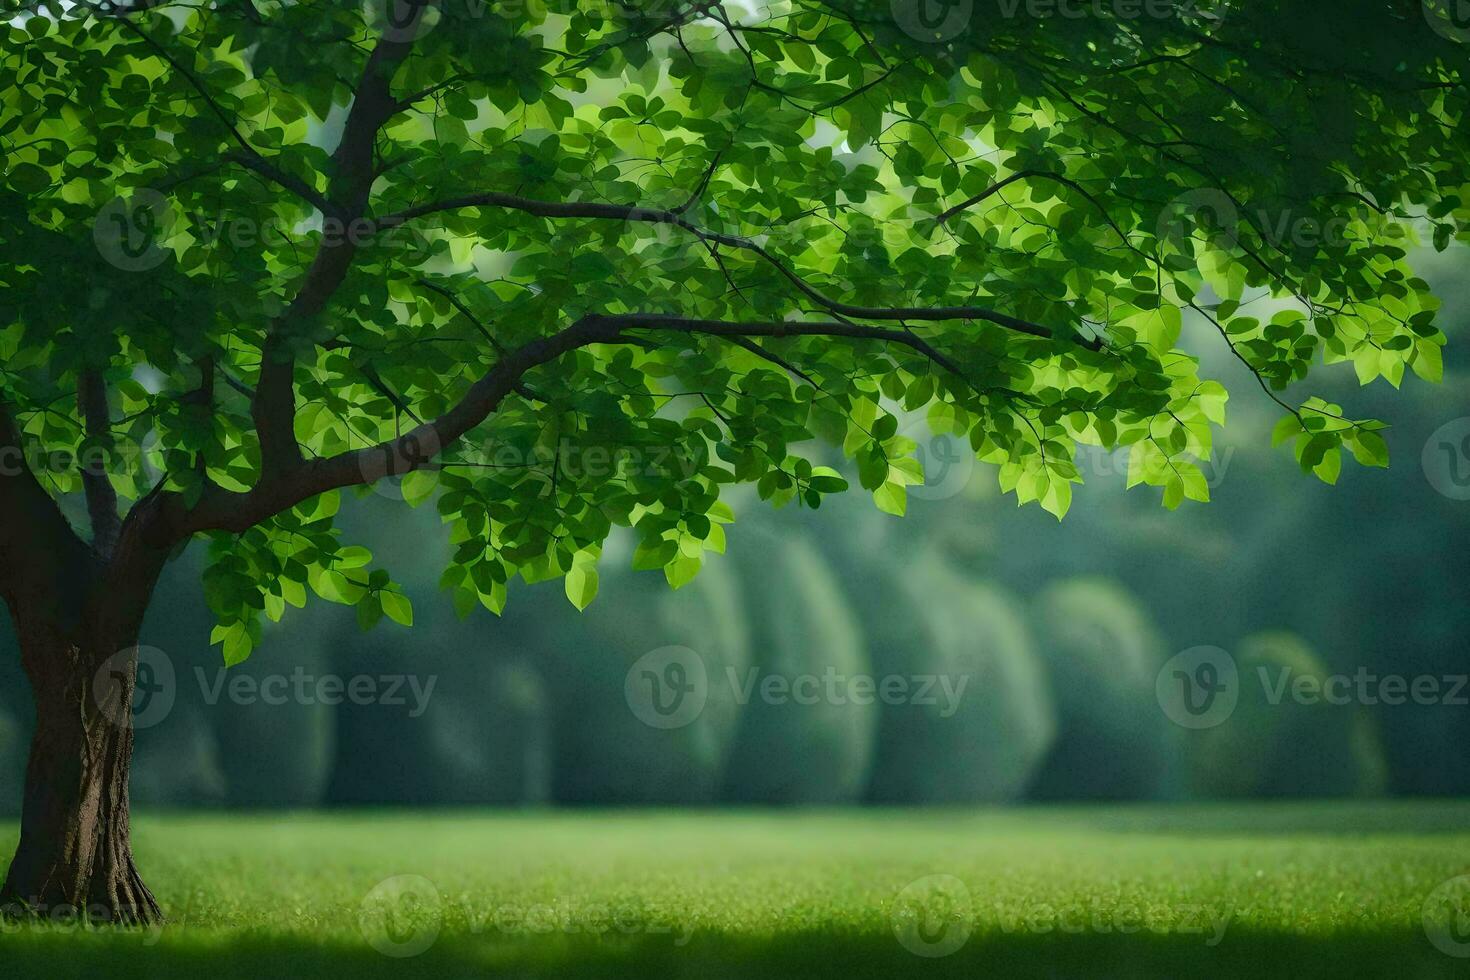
(564, 266)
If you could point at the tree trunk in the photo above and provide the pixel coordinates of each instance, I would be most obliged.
(75, 853)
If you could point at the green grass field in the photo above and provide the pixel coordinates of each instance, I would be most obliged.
(1286, 890)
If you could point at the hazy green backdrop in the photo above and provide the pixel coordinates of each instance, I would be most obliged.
(1062, 632)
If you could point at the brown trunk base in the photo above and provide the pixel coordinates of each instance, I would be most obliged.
(119, 898)
(75, 858)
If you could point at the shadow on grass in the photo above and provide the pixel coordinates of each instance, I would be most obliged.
(1243, 953)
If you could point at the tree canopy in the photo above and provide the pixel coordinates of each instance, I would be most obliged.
(562, 266)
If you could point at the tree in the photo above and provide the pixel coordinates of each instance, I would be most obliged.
(559, 266)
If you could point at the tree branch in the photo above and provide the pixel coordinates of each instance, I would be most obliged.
(223, 510)
(247, 156)
(35, 537)
(618, 212)
(96, 484)
(381, 387)
(464, 311)
(251, 160)
(114, 9)
(776, 359)
(372, 105)
(995, 188)
(198, 86)
(778, 328)
(274, 409)
(1045, 175)
(274, 406)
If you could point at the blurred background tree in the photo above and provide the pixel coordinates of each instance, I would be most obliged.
(1061, 630)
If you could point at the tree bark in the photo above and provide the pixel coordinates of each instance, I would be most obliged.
(75, 853)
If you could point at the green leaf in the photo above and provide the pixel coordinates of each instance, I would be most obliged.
(397, 607)
(891, 498)
(1057, 499)
(1368, 448)
(28, 178)
(581, 583)
(1330, 467)
(1287, 427)
(1173, 492)
(682, 571)
(369, 612)
(236, 644)
(419, 485)
(655, 554)
(830, 142)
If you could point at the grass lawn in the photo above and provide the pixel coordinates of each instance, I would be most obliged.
(1300, 890)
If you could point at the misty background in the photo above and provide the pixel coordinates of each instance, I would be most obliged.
(1060, 633)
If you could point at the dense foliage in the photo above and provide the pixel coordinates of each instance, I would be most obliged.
(597, 262)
